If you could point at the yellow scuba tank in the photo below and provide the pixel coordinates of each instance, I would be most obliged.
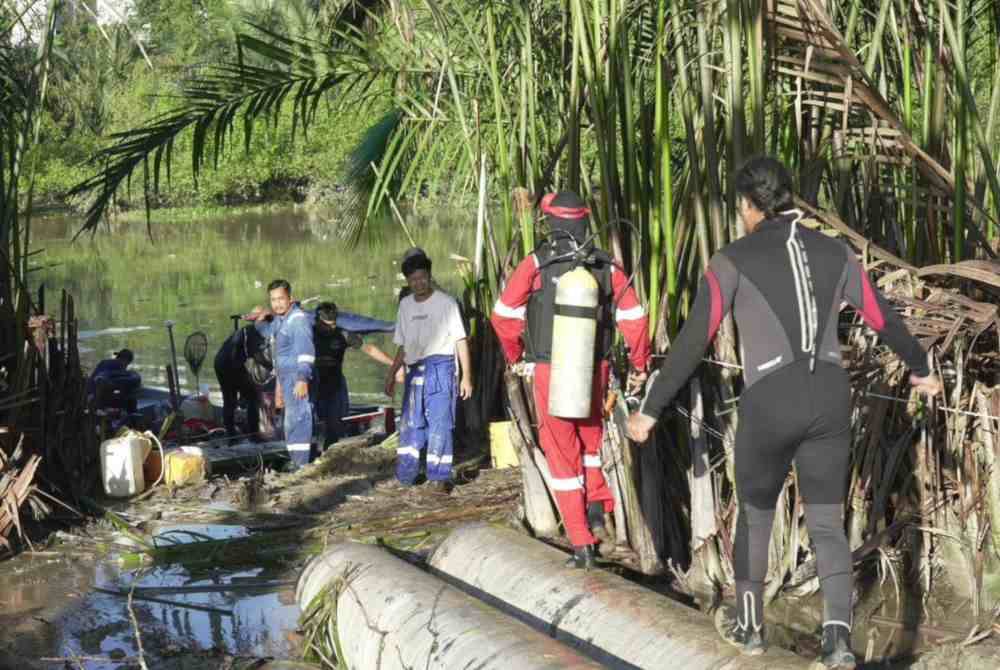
(574, 333)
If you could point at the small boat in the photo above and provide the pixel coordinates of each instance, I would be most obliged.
(125, 401)
(153, 406)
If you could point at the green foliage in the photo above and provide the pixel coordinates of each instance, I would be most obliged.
(104, 86)
(645, 110)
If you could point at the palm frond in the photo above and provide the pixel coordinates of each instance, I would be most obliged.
(827, 75)
(361, 176)
(212, 105)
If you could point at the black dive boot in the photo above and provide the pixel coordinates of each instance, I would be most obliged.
(595, 519)
(749, 639)
(583, 558)
(837, 647)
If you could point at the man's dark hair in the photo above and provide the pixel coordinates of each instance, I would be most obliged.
(280, 283)
(415, 259)
(125, 356)
(766, 183)
(327, 311)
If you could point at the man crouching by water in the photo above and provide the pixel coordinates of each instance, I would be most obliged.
(291, 334)
(429, 332)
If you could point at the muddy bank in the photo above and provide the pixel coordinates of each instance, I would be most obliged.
(65, 604)
(235, 609)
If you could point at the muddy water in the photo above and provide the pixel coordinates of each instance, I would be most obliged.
(199, 272)
(66, 604)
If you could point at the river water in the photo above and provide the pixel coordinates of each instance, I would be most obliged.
(199, 271)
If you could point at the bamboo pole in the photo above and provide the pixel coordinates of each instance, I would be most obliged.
(644, 535)
(987, 432)
(539, 508)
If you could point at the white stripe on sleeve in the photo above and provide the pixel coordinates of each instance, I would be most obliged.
(630, 314)
(505, 311)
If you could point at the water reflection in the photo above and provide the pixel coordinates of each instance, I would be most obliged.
(243, 623)
(199, 273)
(253, 615)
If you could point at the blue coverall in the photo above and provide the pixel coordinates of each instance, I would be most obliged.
(428, 419)
(294, 355)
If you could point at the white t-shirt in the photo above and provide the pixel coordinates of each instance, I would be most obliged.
(428, 328)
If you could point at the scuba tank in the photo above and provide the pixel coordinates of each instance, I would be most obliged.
(574, 333)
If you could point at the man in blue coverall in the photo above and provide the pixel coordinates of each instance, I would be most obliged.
(290, 331)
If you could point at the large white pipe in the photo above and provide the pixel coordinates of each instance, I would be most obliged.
(621, 624)
(392, 615)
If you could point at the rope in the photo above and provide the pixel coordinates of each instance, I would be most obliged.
(163, 467)
(904, 401)
(947, 410)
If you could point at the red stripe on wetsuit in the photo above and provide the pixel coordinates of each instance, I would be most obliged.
(715, 302)
(870, 311)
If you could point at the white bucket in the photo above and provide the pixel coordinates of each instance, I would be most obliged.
(121, 464)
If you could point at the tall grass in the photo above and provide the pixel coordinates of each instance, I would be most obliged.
(23, 86)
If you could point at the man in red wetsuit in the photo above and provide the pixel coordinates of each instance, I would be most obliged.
(522, 319)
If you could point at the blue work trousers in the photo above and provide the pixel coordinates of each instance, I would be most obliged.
(298, 419)
(428, 420)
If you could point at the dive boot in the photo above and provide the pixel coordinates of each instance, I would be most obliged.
(748, 639)
(583, 558)
(836, 651)
(595, 519)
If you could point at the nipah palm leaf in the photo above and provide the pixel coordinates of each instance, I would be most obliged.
(827, 75)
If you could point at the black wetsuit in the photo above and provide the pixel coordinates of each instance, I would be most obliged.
(785, 285)
(243, 367)
(331, 397)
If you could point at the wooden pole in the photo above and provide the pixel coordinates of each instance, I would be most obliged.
(539, 508)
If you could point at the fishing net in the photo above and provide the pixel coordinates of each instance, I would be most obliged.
(195, 350)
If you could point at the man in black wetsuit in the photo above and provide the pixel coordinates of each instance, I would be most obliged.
(330, 395)
(785, 285)
(244, 368)
(330, 392)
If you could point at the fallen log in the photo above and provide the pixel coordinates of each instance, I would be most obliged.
(390, 615)
(612, 620)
